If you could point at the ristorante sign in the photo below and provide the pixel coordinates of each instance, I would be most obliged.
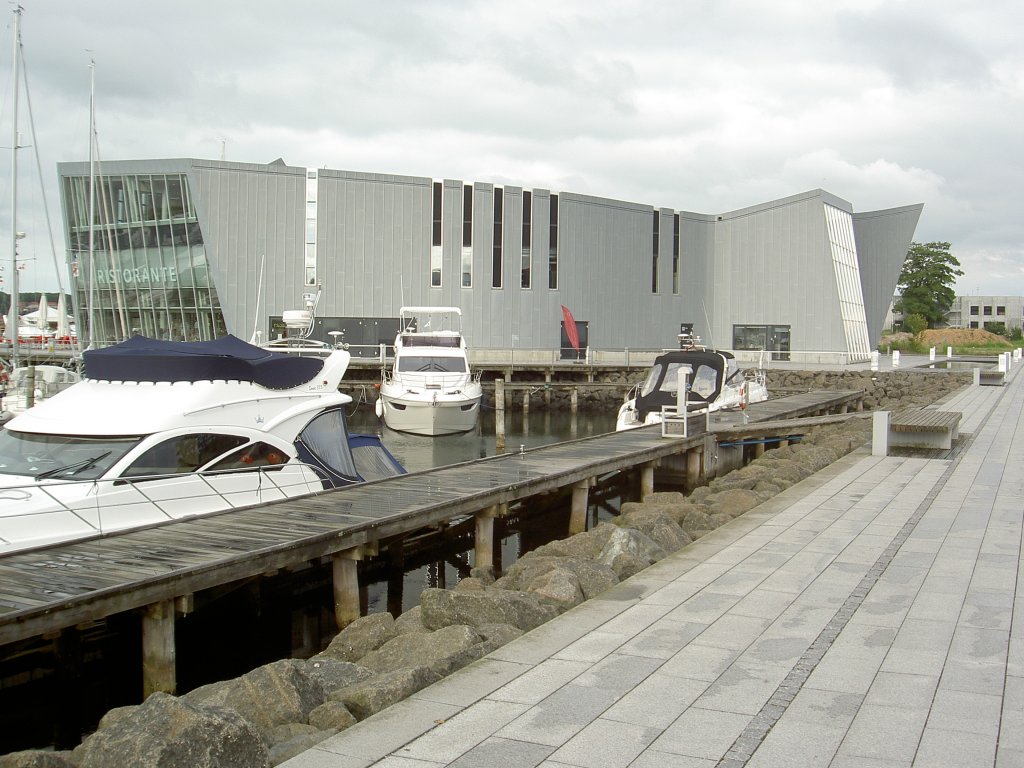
(137, 276)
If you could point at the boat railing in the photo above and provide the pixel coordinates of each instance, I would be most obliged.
(430, 379)
(97, 503)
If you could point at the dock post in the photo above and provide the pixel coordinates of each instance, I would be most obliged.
(758, 450)
(880, 433)
(574, 400)
(483, 557)
(578, 514)
(647, 479)
(499, 415)
(526, 402)
(693, 457)
(547, 389)
(158, 652)
(345, 580)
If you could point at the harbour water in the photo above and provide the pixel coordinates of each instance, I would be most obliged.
(535, 429)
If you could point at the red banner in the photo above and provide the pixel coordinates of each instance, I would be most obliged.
(570, 328)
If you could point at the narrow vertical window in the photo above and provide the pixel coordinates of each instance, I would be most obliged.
(655, 240)
(524, 281)
(497, 266)
(435, 242)
(675, 254)
(467, 236)
(553, 244)
(311, 225)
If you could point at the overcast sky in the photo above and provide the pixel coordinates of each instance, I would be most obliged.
(701, 106)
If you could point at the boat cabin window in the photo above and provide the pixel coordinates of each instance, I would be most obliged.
(326, 437)
(183, 454)
(705, 382)
(252, 456)
(60, 456)
(423, 364)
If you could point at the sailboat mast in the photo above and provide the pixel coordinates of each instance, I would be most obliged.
(13, 321)
(92, 200)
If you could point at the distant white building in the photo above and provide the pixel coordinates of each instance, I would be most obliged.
(983, 311)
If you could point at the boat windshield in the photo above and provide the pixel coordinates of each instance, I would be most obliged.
(703, 381)
(424, 364)
(60, 456)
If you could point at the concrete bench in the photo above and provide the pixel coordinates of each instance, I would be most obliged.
(991, 377)
(924, 428)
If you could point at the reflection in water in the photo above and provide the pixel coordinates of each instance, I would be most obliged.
(417, 452)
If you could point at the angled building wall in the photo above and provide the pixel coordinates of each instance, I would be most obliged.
(787, 274)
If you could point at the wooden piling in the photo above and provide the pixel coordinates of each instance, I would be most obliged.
(345, 583)
(647, 479)
(499, 415)
(693, 462)
(578, 513)
(158, 650)
(483, 557)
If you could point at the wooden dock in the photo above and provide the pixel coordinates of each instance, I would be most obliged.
(157, 570)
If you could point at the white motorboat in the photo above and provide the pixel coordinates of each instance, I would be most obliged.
(160, 430)
(31, 384)
(715, 381)
(430, 389)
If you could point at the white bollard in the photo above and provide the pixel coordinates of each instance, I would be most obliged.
(977, 377)
(949, 352)
(880, 433)
(931, 354)
(874, 360)
(1002, 363)
(895, 358)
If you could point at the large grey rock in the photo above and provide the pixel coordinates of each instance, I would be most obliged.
(371, 696)
(442, 608)
(274, 694)
(444, 651)
(36, 758)
(630, 541)
(533, 574)
(333, 674)
(733, 502)
(171, 732)
(331, 715)
(559, 587)
(410, 621)
(365, 634)
(296, 745)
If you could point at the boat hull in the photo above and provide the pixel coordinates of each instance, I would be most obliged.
(443, 415)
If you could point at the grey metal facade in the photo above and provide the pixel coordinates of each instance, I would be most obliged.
(373, 236)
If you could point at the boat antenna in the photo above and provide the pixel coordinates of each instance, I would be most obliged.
(254, 339)
(711, 338)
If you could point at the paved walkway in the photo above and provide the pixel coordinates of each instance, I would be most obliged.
(864, 618)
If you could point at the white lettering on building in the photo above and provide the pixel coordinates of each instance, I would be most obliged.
(137, 276)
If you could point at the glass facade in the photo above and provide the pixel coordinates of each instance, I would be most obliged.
(140, 266)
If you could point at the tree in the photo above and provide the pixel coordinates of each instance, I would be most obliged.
(926, 282)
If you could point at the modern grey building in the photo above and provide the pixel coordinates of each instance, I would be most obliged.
(189, 249)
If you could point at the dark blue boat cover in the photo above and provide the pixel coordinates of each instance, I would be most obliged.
(225, 359)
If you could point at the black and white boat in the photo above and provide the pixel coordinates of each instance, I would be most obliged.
(160, 430)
